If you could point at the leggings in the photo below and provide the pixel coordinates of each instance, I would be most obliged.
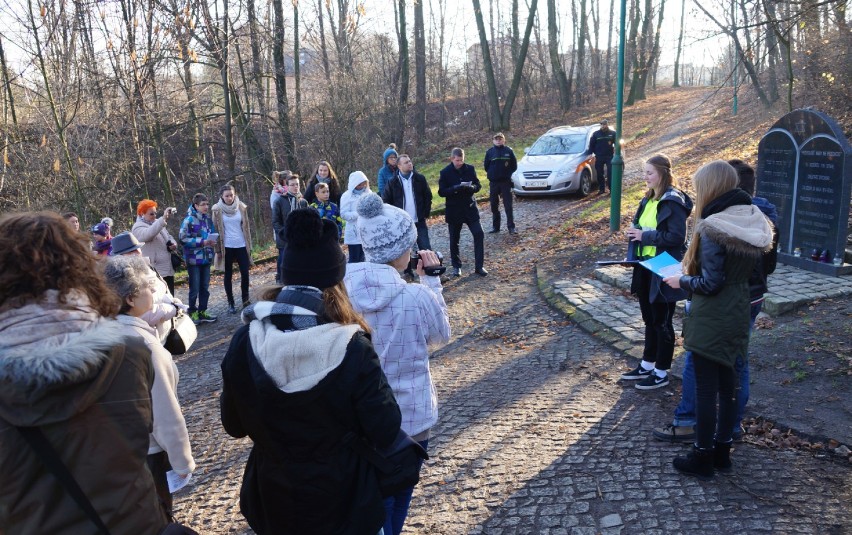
(240, 255)
(714, 382)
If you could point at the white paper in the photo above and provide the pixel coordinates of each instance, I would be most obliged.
(176, 482)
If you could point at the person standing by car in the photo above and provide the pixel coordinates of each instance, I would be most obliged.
(409, 191)
(458, 184)
(659, 226)
(499, 164)
(602, 145)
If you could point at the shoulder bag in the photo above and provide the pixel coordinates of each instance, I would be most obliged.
(397, 466)
(182, 334)
(45, 451)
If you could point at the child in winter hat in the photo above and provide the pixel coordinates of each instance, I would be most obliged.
(386, 231)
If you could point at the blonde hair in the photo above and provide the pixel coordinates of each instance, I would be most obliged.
(338, 307)
(710, 182)
(663, 165)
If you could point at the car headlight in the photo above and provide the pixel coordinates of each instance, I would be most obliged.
(516, 176)
(563, 172)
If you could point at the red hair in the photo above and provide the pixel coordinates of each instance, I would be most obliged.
(145, 205)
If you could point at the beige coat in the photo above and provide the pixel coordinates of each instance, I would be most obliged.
(219, 248)
(155, 236)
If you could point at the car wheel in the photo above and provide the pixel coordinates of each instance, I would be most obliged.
(585, 182)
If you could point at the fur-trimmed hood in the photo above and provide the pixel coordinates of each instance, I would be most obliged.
(53, 379)
(741, 230)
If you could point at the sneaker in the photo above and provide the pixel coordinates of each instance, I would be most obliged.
(512, 231)
(653, 381)
(246, 303)
(494, 231)
(204, 317)
(194, 317)
(232, 309)
(456, 272)
(675, 433)
(637, 374)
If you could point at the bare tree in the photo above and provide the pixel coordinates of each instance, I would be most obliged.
(555, 61)
(420, 71)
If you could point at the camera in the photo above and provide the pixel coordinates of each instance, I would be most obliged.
(432, 271)
(171, 211)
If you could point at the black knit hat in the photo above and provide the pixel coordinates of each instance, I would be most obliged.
(312, 256)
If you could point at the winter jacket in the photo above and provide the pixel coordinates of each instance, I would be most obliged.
(195, 229)
(169, 433)
(349, 210)
(165, 308)
(219, 248)
(499, 164)
(669, 236)
(155, 236)
(394, 194)
(405, 319)
(386, 172)
(602, 144)
(88, 392)
(283, 206)
(757, 283)
(296, 394)
(334, 192)
(329, 210)
(731, 242)
(460, 201)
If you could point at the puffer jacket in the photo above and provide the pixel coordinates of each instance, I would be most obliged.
(386, 172)
(405, 319)
(349, 210)
(669, 236)
(155, 236)
(88, 392)
(730, 243)
(757, 283)
(194, 230)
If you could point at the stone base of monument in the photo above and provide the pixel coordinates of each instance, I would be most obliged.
(826, 268)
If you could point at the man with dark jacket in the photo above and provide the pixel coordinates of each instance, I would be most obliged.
(602, 144)
(458, 184)
(499, 164)
(285, 204)
(409, 191)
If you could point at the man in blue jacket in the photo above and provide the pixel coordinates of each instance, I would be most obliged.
(458, 183)
(500, 163)
(602, 144)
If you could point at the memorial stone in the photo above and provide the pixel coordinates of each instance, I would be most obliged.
(804, 167)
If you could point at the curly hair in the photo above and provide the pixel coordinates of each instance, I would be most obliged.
(127, 276)
(145, 205)
(42, 252)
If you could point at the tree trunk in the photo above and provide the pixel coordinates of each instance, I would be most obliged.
(7, 85)
(610, 28)
(679, 45)
(297, 67)
(493, 102)
(420, 71)
(579, 86)
(399, 127)
(519, 69)
(323, 48)
(281, 86)
(555, 61)
(257, 77)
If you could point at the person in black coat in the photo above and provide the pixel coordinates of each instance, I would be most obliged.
(602, 144)
(499, 164)
(409, 182)
(284, 204)
(458, 184)
(297, 379)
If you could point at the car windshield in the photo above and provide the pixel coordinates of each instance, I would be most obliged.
(558, 145)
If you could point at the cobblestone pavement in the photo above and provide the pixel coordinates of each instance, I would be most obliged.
(535, 435)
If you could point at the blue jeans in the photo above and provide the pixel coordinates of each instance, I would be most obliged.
(396, 507)
(199, 284)
(279, 267)
(684, 414)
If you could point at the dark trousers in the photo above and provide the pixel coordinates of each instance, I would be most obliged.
(600, 163)
(170, 282)
(241, 257)
(478, 240)
(714, 381)
(199, 286)
(356, 253)
(423, 242)
(279, 267)
(659, 331)
(396, 507)
(158, 464)
(496, 190)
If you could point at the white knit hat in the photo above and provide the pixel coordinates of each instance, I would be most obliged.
(386, 231)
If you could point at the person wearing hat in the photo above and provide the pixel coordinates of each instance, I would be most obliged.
(166, 305)
(102, 239)
(404, 318)
(388, 169)
(358, 186)
(499, 164)
(297, 377)
(602, 145)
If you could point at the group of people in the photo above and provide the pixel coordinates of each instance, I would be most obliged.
(731, 253)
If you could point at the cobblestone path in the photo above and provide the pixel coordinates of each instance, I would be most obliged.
(536, 435)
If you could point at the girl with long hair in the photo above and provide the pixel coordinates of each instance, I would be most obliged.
(324, 173)
(230, 216)
(729, 238)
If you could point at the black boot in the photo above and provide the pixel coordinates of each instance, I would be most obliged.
(698, 463)
(722, 457)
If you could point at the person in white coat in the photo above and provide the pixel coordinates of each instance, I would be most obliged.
(405, 319)
(358, 186)
(169, 448)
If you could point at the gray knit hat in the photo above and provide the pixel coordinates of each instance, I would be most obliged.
(386, 231)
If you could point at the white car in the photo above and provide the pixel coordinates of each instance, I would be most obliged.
(557, 163)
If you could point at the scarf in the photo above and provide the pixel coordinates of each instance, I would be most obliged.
(734, 197)
(46, 319)
(229, 210)
(326, 180)
(296, 308)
